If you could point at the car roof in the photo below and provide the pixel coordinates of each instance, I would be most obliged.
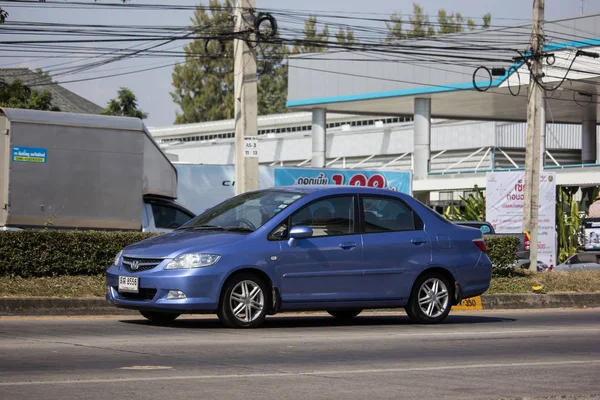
(307, 189)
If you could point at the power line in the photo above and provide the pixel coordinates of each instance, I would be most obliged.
(456, 50)
(179, 7)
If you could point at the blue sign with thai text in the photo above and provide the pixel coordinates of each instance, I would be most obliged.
(29, 154)
(392, 180)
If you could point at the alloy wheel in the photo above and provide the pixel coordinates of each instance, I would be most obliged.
(433, 297)
(247, 301)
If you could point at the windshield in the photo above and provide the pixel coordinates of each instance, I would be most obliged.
(245, 212)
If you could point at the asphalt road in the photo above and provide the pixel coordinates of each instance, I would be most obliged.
(473, 355)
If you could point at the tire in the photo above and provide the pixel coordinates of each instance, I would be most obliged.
(159, 317)
(420, 310)
(239, 307)
(344, 314)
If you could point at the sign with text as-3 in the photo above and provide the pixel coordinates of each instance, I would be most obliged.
(251, 146)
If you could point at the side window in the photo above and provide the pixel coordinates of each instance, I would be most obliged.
(388, 215)
(328, 217)
(279, 233)
(166, 217)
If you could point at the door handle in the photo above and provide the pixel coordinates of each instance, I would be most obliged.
(418, 242)
(348, 245)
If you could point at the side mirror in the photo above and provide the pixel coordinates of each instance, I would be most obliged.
(299, 232)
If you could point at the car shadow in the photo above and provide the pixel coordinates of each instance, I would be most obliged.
(311, 321)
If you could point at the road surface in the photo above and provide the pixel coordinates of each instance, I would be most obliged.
(473, 355)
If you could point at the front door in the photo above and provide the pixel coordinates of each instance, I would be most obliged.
(327, 266)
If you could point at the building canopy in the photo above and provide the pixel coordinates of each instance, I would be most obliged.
(477, 75)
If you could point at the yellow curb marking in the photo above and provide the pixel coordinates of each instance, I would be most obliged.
(474, 303)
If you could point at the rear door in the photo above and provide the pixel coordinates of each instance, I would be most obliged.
(395, 246)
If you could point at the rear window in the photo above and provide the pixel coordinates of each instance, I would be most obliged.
(439, 216)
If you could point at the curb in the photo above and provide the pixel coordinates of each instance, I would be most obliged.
(46, 306)
(538, 301)
(40, 306)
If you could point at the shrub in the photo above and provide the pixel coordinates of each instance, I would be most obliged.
(43, 253)
(502, 251)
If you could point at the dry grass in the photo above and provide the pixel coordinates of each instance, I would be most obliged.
(85, 286)
(553, 282)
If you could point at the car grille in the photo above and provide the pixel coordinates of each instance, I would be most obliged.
(144, 294)
(140, 264)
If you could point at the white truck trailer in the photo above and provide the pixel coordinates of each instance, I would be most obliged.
(80, 171)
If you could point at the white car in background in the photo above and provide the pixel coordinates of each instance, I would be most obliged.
(589, 260)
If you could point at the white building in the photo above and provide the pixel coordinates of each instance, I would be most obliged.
(461, 151)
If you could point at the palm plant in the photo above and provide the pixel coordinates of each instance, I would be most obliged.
(569, 216)
(472, 208)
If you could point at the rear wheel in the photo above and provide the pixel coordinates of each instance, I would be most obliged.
(430, 300)
(159, 317)
(344, 314)
(244, 303)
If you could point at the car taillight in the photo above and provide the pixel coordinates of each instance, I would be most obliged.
(526, 242)
(481, 244)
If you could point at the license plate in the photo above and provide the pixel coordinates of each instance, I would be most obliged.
(129, 284)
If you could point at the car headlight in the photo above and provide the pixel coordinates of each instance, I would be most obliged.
(193, 260)
(118, 258)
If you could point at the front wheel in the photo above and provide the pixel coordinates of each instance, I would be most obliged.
(159, 317)
(244, 303)
(430, 300)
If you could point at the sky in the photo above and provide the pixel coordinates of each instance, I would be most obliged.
(152, 87)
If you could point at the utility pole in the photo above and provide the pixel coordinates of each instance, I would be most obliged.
(532, 158)
(245, 98)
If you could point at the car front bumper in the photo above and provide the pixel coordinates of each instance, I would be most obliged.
(201, 289)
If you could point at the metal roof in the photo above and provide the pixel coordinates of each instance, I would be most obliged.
(63, 98)
(72, 119)
(387, 81)
(228, 125)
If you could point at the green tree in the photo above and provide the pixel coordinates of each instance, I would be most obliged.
(18, 95)
(346, 36)
(203, 85)
(445, 21)
(471, 24)
(272, 79)
(125, 105)
(487, 19)
(313, 41)
(453, 23)
(420, 25)
(394, 28)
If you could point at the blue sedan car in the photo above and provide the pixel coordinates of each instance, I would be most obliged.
(336, 248)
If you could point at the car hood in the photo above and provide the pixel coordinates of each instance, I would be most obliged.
(174, 243)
